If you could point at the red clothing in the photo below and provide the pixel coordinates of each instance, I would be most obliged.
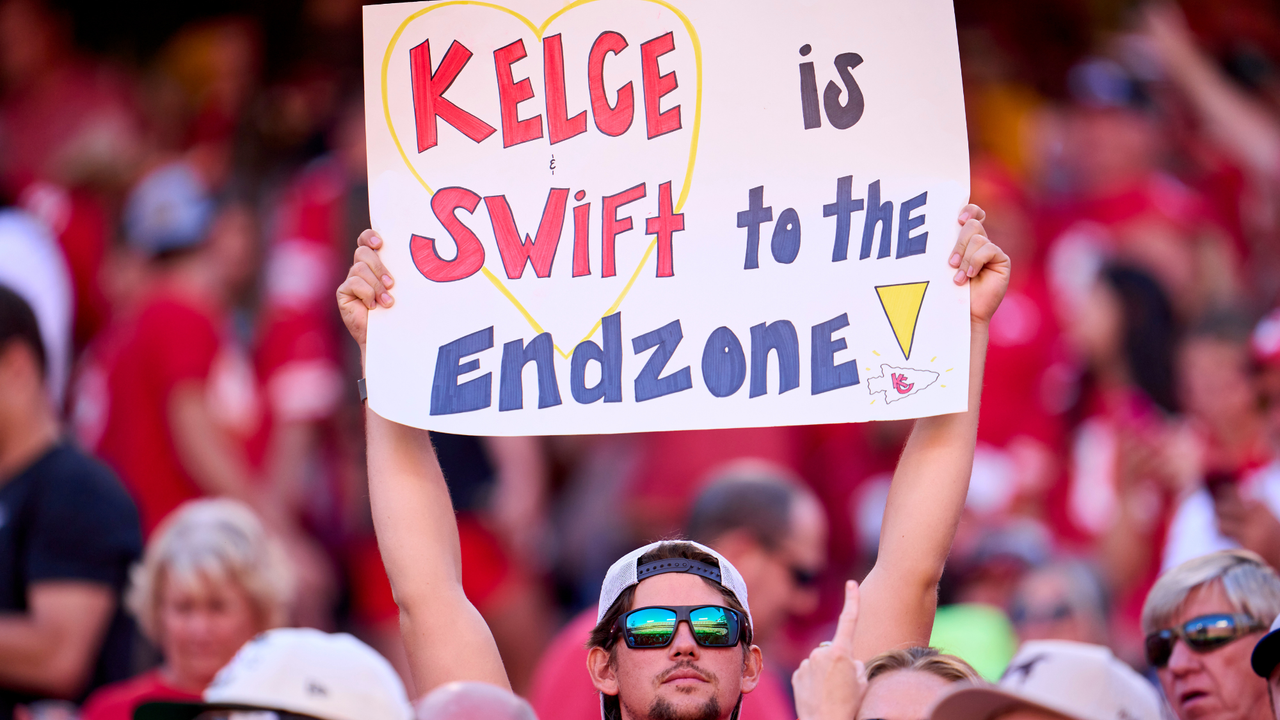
(125, 392)
(562, 687)
(117, 701)
(486, 570)
(299, 345)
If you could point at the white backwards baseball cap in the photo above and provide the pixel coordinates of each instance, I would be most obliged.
(1075, 680)
(299, 671)
(629, 571)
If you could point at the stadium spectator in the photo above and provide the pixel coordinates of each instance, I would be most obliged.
(768, 526)
(297, 673)
(906, 683)
(1220, 391)
(1064, 600)
(1202, 620)
(34, 268)
(210, 580)
(179, 405)
(68, 534)
(897, 684)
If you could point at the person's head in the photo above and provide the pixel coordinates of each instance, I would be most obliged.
(1112, 136)
(1057, 680)
(210, 580)
(22, 361)
(1216, 379)
(1125, 324)
(296, 674)
(693, 661)
(473, 701)
(1202, 620)
(172, 218)
(904, 684)
(774, 532)
(1061, 601)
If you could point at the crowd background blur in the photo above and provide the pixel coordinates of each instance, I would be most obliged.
(183, 183)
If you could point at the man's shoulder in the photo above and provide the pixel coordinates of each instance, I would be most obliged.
(79, 482)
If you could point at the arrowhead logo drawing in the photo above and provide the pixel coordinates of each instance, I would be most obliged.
(901, 305)
(897, 383)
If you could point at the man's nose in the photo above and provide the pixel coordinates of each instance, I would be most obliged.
(1183, 660)
(683, 644)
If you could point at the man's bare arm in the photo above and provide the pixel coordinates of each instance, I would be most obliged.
(51, 649)
(444, 635)
(899, 596)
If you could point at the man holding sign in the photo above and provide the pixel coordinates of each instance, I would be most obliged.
(685, 666)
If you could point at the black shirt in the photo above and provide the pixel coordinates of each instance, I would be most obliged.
(66, 517)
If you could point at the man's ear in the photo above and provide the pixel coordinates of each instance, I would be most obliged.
(752, 668)
(603, 675)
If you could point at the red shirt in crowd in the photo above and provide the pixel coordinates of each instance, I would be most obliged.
(118, 700)
(124, 396)
(562, 688)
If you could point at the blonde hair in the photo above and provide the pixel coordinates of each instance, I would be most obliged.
(924, 659)
(218, 540)
(1252, 587)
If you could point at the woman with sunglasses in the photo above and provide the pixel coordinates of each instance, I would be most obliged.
(1202, 620)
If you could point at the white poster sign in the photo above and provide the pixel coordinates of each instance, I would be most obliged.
(632, 215)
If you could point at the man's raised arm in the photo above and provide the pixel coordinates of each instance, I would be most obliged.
(444, 635)
(900, 595)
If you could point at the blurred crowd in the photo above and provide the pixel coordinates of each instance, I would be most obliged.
(178, 207)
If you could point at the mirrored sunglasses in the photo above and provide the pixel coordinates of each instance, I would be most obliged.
(713, 626)
(1201, 634)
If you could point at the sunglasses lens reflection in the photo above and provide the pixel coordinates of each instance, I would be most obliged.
(650, 627)
(714, 626)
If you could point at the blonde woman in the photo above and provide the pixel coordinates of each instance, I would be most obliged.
(904, 684)
(210, 580)
(895, 685)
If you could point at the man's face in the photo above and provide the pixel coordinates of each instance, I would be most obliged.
(1219, 684)
(682, 681)
(782, 580)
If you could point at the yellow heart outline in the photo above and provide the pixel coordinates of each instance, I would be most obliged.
(537, 32)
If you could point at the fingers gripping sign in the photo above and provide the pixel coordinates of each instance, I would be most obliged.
(981, 263)
(367, 286)
(829, 685)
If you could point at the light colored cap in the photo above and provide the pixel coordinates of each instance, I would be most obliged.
(169, 209)
(1076, 680)
(303, 671)
(625, 573)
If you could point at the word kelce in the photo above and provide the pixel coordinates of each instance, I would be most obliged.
(611, 118)
(724, 365)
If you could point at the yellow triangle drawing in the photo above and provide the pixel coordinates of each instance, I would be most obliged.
(901, 305)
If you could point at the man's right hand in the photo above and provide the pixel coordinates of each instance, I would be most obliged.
(367, 286)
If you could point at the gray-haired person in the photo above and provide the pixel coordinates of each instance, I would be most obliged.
(1202, 620)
